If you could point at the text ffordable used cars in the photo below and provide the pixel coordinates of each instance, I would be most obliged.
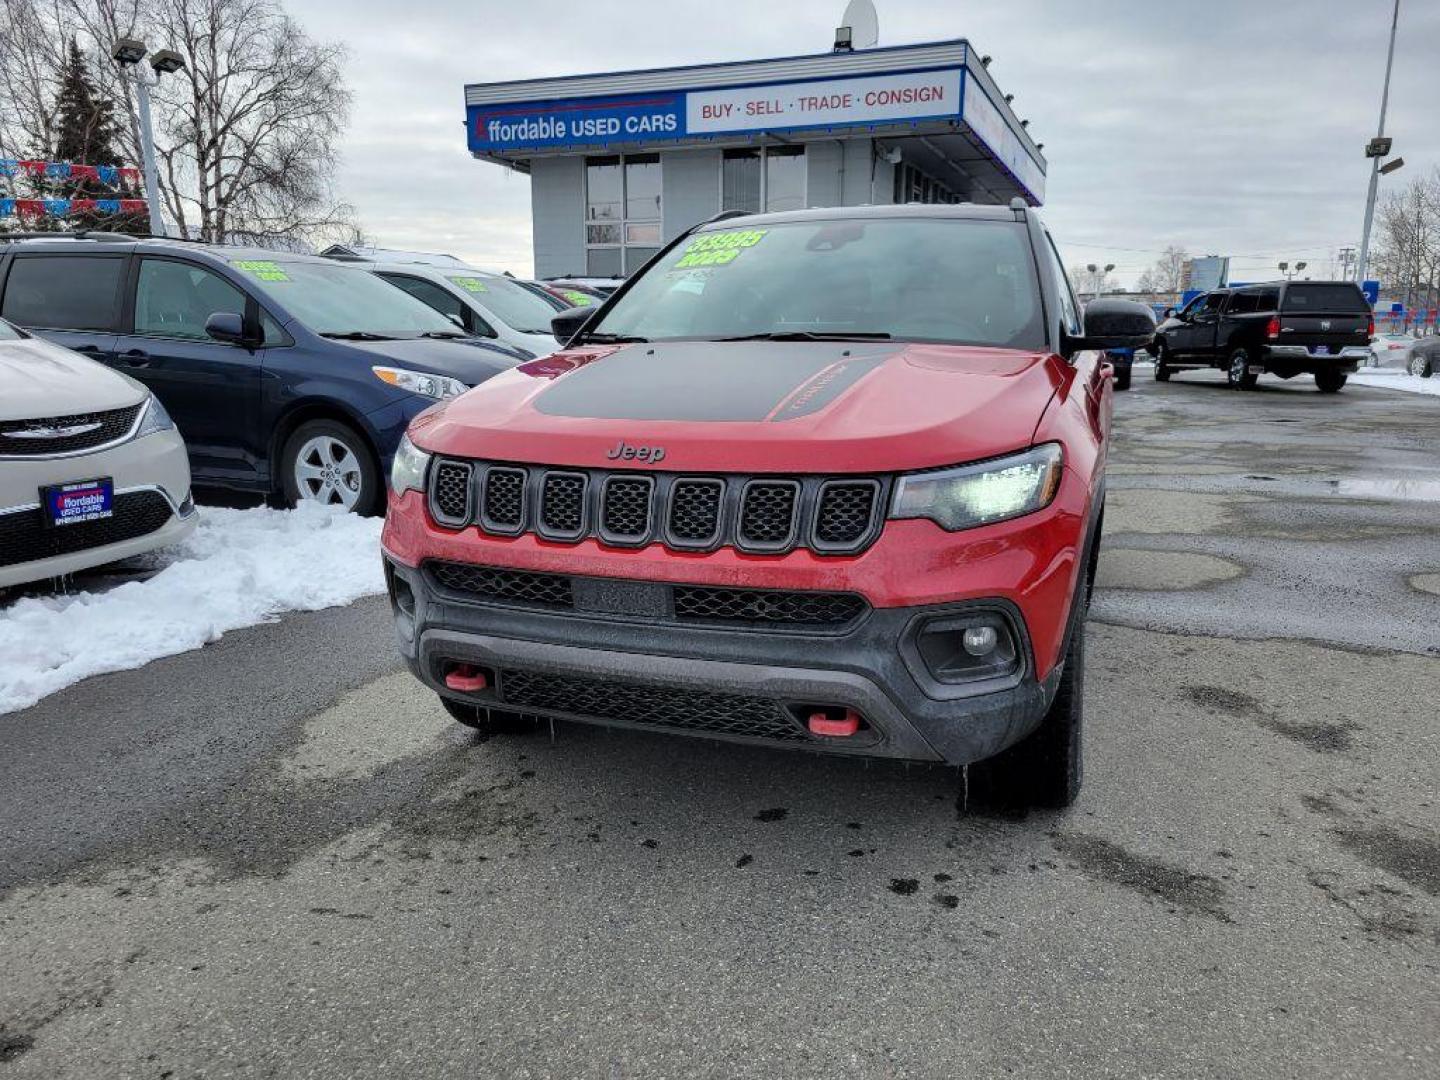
(830, 479)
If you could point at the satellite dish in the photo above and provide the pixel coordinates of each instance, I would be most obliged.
(864, 25)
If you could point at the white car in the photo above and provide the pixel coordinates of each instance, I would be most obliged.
(484, 303)
(1391, 350)
(91, 468)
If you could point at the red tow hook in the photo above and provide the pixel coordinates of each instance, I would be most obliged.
(830, 727)
(466, 679)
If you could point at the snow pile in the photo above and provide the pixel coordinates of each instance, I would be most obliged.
(238, 568)
(1397, 380)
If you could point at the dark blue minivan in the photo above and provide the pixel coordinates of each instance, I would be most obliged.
(289, 375)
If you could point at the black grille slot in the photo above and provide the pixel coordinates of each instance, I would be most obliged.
(503, 509)
(562, 505)
(625, 508)
(766, 607)
(24, 537)
(523, 588)
(648, 706)
(694, 518)
(110, 425)
(846, 513)
(767, 514)
(450, 494)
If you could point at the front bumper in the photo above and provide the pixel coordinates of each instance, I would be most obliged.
(742, 685)
(154, 467)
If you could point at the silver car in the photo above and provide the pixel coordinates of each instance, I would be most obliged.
(91, 468)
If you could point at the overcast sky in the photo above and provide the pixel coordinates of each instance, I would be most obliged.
(1225, 126)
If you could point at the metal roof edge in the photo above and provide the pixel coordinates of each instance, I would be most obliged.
(725, 73)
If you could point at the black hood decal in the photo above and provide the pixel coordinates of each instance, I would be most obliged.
(703, 381)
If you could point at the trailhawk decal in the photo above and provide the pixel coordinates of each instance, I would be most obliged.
(751, 381)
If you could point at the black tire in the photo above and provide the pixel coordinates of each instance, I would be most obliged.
(1162, 369)
(1122, 378)
(488, 721)
(1421, 365)
(1044, 769)
(1238, 375)
(1330, 382)
(363, 478)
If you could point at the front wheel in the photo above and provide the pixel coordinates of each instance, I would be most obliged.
(1045, 768)
(1162, 368)
(1421, 365)
(1330, 382)
(327, 462)
(1237, 371)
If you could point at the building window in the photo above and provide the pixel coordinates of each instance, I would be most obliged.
(768, 179)
(912, 185)
(622, 213)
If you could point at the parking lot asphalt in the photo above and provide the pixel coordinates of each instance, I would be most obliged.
(277, 856)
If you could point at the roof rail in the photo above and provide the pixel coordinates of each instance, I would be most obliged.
(726, 215)
(81, 234)
(1019, 206)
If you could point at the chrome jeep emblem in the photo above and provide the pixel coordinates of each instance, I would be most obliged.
(49, 431)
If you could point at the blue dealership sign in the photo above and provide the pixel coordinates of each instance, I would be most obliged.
(1371, 289)
(579, 122)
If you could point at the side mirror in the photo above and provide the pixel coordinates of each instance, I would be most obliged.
(228, 327)
(1116, 324)
(570, 322)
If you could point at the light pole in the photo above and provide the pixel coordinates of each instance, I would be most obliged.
(1377, 148)
(1289, 273)
(128, 53)
(1097, 277)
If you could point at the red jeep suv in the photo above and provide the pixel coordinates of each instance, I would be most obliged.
(829, 479)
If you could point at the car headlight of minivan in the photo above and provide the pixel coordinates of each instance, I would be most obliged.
(155, 418)
(438, 387)
(407, 471)
(982, 493)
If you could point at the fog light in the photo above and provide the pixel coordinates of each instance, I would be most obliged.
(969, 647)
(980, 640)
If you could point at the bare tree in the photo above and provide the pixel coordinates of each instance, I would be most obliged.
(1169, 270)
(1407, 257)
(246, 135)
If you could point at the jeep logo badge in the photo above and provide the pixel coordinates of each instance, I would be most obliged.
(1324, 324)
(623, 451)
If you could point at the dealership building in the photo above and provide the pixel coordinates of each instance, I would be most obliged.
(620, 163)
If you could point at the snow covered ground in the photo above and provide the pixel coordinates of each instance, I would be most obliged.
(238, 568)
(1397, 380)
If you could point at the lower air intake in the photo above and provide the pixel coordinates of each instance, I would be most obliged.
(648, 706)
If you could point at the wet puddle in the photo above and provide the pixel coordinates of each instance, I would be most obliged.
(1407, 489)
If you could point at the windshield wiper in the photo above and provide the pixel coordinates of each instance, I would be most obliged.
(354, 335)
(612, 339)
(444, 335)
(810, 335)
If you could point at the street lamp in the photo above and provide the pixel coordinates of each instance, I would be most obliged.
(1376, 149)
(128, 52)
(1097, 277)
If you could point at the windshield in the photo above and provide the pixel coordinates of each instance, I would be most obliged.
(514, 305)
(339, 300)
(958, 281)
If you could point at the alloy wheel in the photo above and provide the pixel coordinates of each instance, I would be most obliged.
(327, 471)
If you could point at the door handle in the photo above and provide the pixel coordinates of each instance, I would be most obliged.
(135, 358)
(89, 350)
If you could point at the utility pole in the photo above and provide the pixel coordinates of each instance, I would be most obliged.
(1378, 148)
(1347, 262)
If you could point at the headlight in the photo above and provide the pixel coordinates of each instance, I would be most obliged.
(407, 472)
(438, 387)
(985, 492)
(156, 418)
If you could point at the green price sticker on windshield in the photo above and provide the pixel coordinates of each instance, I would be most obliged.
(262, 269)
(577, 299)
(470, 284)
(719, 248)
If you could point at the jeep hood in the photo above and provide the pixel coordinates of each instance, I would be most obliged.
(753, 407)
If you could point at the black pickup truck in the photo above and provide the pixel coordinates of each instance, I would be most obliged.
(1288, 328)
